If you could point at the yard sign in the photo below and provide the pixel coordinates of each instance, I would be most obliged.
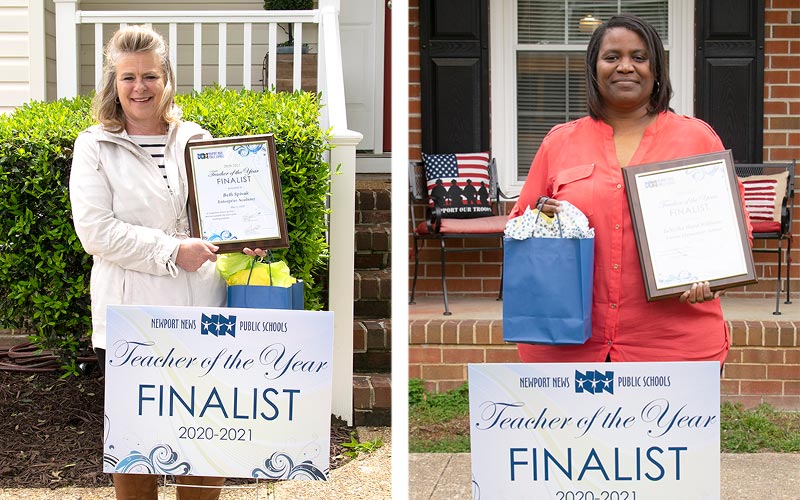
(218, 392)
(595, 431)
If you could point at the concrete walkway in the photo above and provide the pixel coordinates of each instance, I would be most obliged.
(750, 476)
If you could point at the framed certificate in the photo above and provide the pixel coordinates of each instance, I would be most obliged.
(235, 193)
(689, 224)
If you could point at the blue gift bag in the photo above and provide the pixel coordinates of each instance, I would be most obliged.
(547, 290)
(267, 297)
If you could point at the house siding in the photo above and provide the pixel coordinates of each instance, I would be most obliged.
(15, 55)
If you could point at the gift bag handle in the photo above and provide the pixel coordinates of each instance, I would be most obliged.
(269, 267)
(540, 203)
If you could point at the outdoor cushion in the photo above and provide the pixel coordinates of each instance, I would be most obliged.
(458, 184)
(763, 196)
(485, 225)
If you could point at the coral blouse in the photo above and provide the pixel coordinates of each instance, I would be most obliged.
(577, 162)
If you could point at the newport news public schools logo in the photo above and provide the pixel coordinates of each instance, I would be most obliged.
(594, 382)
(218, 325)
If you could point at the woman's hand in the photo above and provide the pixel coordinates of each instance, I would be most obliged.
(254, 253)
(194, 252)
(700, 292)
(549, 207)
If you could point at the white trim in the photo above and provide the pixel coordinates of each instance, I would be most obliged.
(37, 59)
(503, 93)
(681, 68)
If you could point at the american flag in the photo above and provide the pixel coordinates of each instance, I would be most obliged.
(474, 166)
(761, 198)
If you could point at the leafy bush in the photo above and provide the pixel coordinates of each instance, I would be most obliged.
(305, 178)
(44, 271)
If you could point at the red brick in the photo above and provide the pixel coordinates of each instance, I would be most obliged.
(450, 332)
(775, 139)
(786, 31)
(442, 372)
(414, 371)
(762, 356)
(754, 387)
(792, 356)
(729, 387)
(784, 91)
(775, 47)
(362, 392)
(466, 332)
(448, 385)
(497, 332)
(734, 355)
(416, 332)
(783, 372)
(452, 355)
(746, 401)
(775, 107)
(745, 371)
(776, 17)
(419, 355)
(791, 388)
(482, 332)
(791, 403)
(502, 355)
(383, 392)
(433, 333)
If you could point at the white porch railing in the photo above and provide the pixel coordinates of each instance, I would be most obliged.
(330, 83)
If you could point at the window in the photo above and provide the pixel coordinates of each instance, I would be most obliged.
(550, 47)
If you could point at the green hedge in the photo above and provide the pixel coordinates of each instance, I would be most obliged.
(44, 271)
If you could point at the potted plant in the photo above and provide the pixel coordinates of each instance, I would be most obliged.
(288, 45)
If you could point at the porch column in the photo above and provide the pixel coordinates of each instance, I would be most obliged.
(66, 48)
(341, 267)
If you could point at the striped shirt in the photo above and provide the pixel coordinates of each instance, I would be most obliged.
(154, 145)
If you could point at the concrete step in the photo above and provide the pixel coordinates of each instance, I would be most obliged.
(372, 399)
(372, 345)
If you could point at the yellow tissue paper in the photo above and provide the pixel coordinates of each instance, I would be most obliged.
(261, 273)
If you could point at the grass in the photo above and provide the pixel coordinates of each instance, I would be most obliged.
(439, 423)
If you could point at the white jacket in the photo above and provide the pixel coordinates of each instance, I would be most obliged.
(131, 223)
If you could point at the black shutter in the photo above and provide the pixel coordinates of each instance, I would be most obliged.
(729, 73)
(454, 74)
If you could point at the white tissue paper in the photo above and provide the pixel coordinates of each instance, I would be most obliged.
(573, 224)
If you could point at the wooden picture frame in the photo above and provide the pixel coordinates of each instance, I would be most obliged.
(689, 224)
(235, 196)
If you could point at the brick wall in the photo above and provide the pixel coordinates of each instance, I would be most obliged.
(762, 366)
(781, 143)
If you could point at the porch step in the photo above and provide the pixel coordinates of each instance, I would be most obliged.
(372, 345)
(372, 331)
(373, 293)
(373, 205)
(373, 245)
(372, 399)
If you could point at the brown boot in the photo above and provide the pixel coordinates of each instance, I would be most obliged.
(199, 493)
(136, 486)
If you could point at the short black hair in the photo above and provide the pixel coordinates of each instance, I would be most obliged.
(662, 91)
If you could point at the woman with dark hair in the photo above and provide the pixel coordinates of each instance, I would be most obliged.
(129, 194)
(629, 123)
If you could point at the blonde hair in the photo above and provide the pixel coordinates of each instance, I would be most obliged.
(106, 108)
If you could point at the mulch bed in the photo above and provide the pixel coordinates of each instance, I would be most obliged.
(51, 430)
